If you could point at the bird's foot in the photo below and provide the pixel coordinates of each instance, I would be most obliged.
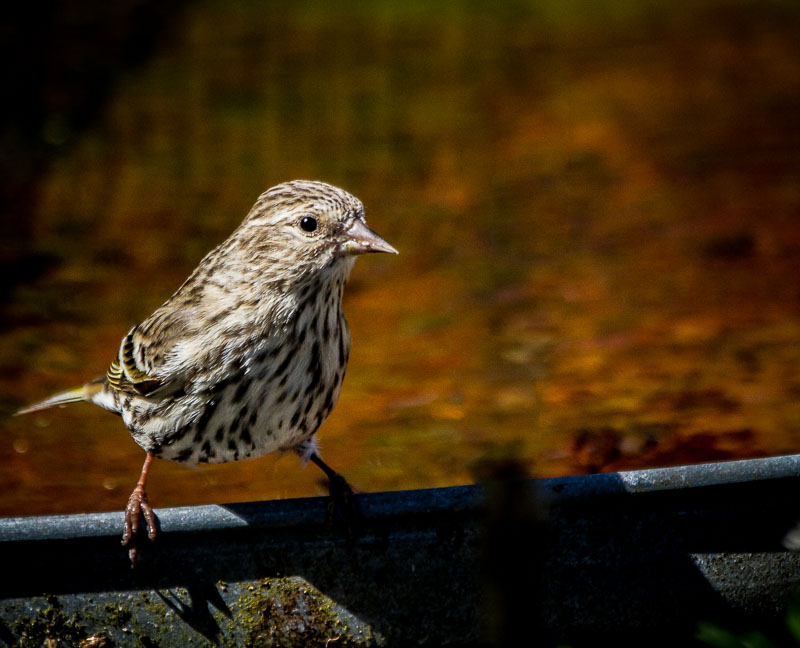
(342, 505)
(138, 508)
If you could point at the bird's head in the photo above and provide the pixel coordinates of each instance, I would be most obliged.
(302, 228)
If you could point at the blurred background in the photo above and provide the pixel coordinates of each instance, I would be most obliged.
(597, 207)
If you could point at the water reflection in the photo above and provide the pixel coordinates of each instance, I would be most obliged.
(596, 209)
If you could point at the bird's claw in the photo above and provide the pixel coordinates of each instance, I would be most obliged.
(138, 508)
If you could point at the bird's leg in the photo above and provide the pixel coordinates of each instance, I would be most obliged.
(138, 507)
(342, 496)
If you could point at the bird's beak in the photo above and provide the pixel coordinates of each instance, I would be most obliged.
(360, 239)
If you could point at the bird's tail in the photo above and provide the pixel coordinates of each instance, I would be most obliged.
(83, 393)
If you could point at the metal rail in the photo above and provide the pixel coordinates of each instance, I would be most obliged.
(624, 555)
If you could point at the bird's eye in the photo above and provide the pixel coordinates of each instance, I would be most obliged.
(308, 223)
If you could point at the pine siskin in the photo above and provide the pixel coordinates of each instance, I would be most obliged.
(248, 356)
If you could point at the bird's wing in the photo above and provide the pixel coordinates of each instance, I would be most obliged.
(136, 370)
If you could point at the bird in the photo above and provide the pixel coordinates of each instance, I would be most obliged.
(248, 356)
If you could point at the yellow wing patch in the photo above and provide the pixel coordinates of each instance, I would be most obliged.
(124, 371)
(133, 373)
(114, 375)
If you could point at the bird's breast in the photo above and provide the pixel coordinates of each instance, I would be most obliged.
(272, 394)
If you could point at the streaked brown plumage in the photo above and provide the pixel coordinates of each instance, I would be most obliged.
(248, 356)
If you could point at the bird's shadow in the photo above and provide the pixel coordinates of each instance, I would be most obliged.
(197, 613)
